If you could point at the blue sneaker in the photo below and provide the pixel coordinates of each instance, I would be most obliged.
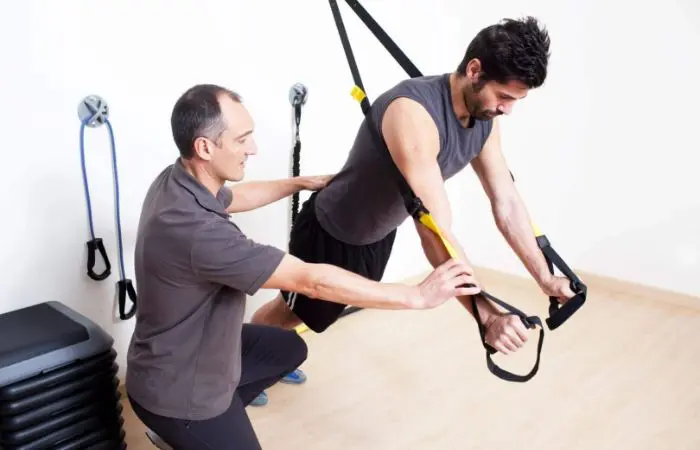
(260, 400)
(295, 377)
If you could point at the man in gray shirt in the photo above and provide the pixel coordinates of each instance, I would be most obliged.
(430, 128)
(192, 364)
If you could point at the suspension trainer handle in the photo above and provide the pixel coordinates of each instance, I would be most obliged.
(558, 313)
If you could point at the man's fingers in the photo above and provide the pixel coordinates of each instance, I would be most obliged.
(445, 267)
(466, 291)
(514, 338)
(521, 332)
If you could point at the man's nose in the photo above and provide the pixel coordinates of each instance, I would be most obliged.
(505, 108)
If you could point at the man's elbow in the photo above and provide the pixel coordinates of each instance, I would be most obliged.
(309, 280)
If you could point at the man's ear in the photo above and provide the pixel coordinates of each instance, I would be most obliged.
(473, 70)
(203, 148)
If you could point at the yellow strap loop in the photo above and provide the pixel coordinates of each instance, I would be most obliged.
(358, 94)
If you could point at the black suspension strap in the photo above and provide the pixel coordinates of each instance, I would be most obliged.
(93, 112)
(419, 212)
(298, 94)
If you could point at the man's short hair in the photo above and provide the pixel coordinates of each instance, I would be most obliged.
(197, 113)
(511, 50)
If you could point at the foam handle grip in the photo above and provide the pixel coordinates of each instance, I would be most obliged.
(94, 246)
(126, 287)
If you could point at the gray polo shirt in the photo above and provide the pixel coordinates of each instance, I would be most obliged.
(193, 269)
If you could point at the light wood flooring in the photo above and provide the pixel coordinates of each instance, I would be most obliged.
(623, 374)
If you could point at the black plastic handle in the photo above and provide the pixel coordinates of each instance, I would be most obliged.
(126, 287)
(558, 313)
(94, 246)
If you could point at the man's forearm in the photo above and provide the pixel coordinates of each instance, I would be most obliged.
(256, 194)
(326, 281)
(437, 254)
(514, 224)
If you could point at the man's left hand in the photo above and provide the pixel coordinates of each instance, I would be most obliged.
(314, 183)
(559, 287)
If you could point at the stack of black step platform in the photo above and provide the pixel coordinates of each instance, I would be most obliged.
(58, 382)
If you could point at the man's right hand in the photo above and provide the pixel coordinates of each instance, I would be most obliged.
(505, 332)
(450, 279)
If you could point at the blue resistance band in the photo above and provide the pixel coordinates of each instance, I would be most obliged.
(93, 112)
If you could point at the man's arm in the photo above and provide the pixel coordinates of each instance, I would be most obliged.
(329, 282)
(256, 194)
(511, 215)
(221, 254)
(413, 141)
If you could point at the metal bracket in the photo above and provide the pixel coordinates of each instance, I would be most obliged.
(93, 111)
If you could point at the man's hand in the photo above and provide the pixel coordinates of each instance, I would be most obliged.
(559, 287)
(505, 332)
(256, 194)
(450, 279)
(314, 183)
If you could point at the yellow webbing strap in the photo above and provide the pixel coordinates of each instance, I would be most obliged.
(427, 220)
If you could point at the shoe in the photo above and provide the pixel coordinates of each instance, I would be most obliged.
(260, 400)
(295, 377)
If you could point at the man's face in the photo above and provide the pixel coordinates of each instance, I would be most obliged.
(231, 150)
(486, 100)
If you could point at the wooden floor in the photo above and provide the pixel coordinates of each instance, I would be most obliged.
(624, 373)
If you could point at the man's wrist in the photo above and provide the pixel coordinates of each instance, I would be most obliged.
(485, 309)
(545, 280)
(298, 183)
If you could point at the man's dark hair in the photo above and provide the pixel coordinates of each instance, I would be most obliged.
(197, 113)
(510, 50)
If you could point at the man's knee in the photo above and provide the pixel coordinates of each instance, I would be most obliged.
(299, 351)
(276, 313)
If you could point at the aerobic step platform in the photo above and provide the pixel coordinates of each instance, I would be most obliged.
(58, 382)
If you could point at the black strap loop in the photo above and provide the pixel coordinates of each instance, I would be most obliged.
(530, 322)
(126, 287)
(558, 313)
(95, 245)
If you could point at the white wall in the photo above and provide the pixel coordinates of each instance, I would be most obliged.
(615, 120)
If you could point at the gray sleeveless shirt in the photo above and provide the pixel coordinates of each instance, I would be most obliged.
(362, 204)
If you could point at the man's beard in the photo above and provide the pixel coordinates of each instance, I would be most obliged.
(474, 106)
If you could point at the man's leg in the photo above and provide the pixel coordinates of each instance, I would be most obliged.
(269, 353)
(228, 431)
(276, 313)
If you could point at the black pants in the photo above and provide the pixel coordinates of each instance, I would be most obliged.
(309, 242)
(269, 353)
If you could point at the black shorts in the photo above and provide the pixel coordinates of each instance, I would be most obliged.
(311, 243)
